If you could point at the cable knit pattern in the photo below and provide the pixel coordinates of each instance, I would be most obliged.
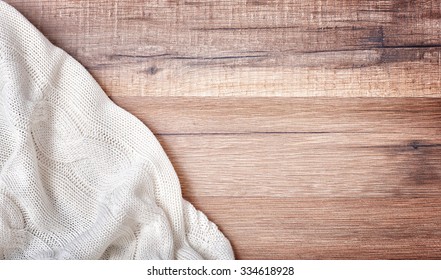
(80, 178)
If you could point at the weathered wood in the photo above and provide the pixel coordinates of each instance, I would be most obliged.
(252, 48)
(284, 178)
(294, 147)
(308, 177)
(328, 228)
(229, 115)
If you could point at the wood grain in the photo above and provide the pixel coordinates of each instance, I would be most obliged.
(253, 48)
(329, 228)
(244, 96)
(308, 177)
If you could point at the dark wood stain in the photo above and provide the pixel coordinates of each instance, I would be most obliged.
(152, 70)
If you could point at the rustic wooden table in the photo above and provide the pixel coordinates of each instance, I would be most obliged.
(304, 129)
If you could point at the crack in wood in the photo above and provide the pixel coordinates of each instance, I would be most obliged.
(255, 133)
(217, 57)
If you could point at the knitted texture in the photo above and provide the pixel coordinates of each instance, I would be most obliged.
(80, 178)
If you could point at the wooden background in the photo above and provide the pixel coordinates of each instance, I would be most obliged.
(304, 129)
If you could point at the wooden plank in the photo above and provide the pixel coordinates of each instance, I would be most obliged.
(328, 228)
(322, 146)
(308, 178)
(205, 115)
(297, 165)
(250, 48)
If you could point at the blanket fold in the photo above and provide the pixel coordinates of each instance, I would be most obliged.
(81, 178)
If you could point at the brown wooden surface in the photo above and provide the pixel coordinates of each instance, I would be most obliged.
(246, 98)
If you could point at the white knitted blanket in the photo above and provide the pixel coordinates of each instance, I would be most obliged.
(80, 178)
